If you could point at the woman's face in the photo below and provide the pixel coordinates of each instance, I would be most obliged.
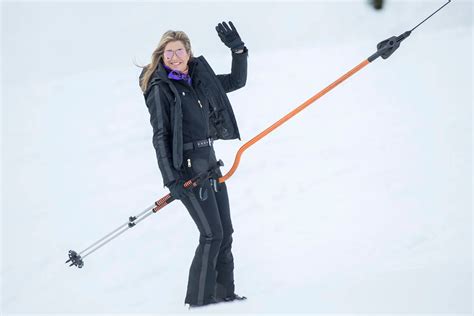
(176, 57)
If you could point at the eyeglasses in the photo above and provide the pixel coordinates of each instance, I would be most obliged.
(180, 53)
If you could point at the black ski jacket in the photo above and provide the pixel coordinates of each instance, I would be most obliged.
(206, 108)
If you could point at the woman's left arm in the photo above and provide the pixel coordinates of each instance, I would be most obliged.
(238, 76)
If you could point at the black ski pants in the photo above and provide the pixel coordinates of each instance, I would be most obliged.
(212, 270)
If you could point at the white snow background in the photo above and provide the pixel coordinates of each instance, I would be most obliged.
(359, 204)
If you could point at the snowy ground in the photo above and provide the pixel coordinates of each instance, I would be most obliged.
(360, 204)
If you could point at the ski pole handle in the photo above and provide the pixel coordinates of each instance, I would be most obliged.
(192, 183)
(167, 199)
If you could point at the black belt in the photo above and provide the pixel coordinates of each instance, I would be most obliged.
(198, 144)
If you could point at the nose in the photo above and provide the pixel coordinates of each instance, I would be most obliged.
(174, 57)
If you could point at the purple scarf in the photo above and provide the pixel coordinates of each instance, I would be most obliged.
(177, 75)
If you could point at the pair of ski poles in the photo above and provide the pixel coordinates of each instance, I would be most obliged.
(384, 49)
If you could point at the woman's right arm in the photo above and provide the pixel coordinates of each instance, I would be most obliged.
(159, 108)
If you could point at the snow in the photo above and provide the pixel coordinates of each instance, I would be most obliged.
(362, 203)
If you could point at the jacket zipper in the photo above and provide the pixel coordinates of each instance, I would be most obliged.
(202, 111)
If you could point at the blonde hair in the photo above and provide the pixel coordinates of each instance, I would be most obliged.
(157, 56)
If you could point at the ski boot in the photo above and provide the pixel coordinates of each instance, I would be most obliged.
(234, 297)
(230, 298)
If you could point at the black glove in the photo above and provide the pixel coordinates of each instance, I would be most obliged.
(229, 36)
(177, 189)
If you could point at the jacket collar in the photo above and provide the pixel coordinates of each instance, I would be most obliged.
(162, 73)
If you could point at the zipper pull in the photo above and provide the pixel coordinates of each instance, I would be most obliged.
(189, 163)
(199, 101)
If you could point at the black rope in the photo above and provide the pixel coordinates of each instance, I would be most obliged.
(430, 16)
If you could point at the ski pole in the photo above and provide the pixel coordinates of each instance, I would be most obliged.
(77, 258)
(384, 50)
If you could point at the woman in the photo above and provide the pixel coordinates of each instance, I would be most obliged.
(189, 109)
